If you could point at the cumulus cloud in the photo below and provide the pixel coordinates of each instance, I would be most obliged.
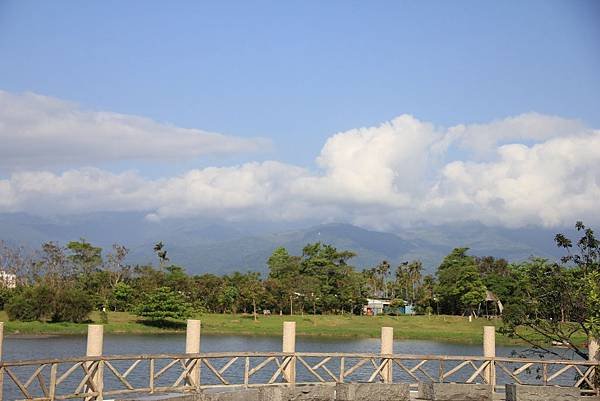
(529, 169)
(383, 165)
(483, 139)
(551, 183)
(41, 131)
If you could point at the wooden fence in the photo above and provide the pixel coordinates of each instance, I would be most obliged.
(97, 377)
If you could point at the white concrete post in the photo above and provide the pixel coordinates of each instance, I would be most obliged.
(489, 351)
(387, 348)
(95, 342)
(1, 371)
(192, 346)
(1, 338)
(289, 345)
(594, 356)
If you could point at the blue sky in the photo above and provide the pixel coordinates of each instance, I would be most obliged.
(296, 73)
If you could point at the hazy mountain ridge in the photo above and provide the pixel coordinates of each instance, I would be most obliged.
(220, 247)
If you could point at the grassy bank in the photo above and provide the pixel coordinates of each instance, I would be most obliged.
(438, 328)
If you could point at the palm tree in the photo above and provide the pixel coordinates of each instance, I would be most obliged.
(414, 276)
(383, 269)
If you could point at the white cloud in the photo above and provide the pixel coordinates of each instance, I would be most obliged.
(483, 139)
(40, 131)
(530, 169)
(382, 165)
(551, 183)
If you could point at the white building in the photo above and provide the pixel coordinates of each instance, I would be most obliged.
(8, 280)
(375, 307)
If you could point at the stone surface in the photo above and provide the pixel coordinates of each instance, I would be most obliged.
(231, 395)
(163, 397)
(298, 393)
(455, 392)
(373, 392)
(518, 392)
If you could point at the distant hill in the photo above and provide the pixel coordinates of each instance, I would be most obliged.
(221, 247)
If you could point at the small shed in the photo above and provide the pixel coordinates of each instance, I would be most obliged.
(492, 304)
(375, 307)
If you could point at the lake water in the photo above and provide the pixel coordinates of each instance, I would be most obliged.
(64, 346)
(16, 347)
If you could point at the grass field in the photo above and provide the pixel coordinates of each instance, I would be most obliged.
(438, 328)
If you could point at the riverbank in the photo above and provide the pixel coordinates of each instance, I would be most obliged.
(436, 328)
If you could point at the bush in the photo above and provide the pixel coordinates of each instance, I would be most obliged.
(42, 303)
(30, 303)
(71, 305)
(6, 295)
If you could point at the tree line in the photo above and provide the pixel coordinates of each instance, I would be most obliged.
(553, 298)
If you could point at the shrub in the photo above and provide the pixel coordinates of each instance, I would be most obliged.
(42, 303)
(71, 305)
(5, 296)
(30, 303)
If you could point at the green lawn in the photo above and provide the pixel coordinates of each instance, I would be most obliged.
(438, 328)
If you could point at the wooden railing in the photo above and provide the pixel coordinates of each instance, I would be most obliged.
(98, 377)
(107, 376)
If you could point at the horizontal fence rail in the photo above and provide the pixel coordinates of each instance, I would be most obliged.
(107, 376)
(98, 377)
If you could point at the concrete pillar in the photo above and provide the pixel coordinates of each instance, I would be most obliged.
(489, 351)
(1, 371)
(1, 338)
(387, 348)
(192, 337)
(289, 345)
(192, 346)
(593, 349)
(95, 340)
(95, 343)
(594, 356)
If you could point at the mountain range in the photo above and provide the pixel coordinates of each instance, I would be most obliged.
(202, 245)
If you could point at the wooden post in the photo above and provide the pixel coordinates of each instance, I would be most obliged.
(387, 348)
(594, 356)
(289, 345)
(95, 342)
(489, 351)
(192, 346)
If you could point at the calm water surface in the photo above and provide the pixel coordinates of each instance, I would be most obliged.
(16, 347)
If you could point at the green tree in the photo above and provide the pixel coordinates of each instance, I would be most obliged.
(161, 253)
(177, 279)
(147, 279)
(228, 298)
(284, 274)
(252, 291)
(205, 291)
(559, 301)
(116, 271)
(415, 269)
(163, 304)
(85, 257)
(426, 295)
(460, 286)
(122, 297)
(329, 267)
